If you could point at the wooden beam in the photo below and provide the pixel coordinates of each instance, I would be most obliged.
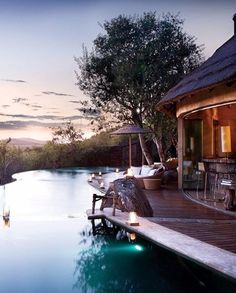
(180, 151)
(130, 151)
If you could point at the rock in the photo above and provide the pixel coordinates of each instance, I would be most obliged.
(130, 197)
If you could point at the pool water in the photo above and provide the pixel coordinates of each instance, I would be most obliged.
(49, 245)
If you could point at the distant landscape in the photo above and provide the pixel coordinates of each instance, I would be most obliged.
(27, 142)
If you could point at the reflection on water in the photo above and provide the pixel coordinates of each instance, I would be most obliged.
(6, 216)
(113, 263)
(48, 192)
(52, 247)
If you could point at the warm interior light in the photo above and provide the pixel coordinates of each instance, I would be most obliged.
(90, 178)
(117, 170)
(225, 139)
(100, 174)
(201, 167)
(93, 176)
(102, 184)
(192, 143)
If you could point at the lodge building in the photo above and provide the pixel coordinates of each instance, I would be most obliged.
(204, 103)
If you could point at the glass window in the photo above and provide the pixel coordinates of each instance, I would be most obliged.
(192, 155)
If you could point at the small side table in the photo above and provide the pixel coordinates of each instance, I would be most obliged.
(152, 184)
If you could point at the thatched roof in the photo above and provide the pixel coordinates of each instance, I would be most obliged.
(219, 68)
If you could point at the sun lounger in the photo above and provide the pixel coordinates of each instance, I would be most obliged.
(148, 172)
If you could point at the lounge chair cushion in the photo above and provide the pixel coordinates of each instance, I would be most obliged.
(155, 171)
(152, 172)
(158, 165)
(145, 170)
(136, 170)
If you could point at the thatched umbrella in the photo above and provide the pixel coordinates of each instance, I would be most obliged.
(129, 130)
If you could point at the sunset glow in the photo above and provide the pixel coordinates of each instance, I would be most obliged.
(41, 38)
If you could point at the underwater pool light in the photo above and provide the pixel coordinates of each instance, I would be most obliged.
(138, 247)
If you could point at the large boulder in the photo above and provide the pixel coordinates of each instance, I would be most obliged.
(130, 197)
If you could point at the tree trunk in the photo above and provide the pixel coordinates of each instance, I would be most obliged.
(145, 151)
(159, 149)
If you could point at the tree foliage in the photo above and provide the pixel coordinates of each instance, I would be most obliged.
(133, 64)
(66, 134)
(89, 152)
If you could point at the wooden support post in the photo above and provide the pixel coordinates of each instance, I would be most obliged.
(93, 227)
(93, 205)
(130, 151)
(180, 151)
(205, 184)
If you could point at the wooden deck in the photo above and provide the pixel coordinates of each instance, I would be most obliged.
(195, 232)
(172, 209)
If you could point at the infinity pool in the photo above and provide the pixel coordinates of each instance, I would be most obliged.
(49, 245)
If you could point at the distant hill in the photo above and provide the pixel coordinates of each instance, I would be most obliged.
(27, 142)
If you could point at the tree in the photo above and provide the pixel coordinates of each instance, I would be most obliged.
(64, 144)
(66, 134)
(133, 64)
(9, 161)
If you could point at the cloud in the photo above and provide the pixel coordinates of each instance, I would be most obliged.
(53, 112)
(21, 125)
(23, 116)
(44, 117)
(18, 100)
(57, 94)
(15, 80)
(18, 124)
(6, 106)
(72, 118)
(36, 106)
(52, 108)
(75, 102)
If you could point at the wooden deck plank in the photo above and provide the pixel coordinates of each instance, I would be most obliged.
(174, 211)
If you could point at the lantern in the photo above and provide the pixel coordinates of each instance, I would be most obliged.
(133, 221)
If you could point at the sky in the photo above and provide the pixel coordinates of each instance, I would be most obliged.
(39, 40)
